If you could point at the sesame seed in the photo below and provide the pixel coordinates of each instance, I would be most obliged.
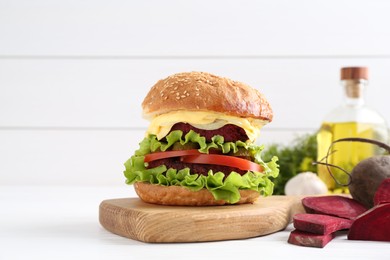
(175, 88)
(177, 97)
(197, 94)
(177, 93)
(188, 94)
(183, 96)
(165, 98)
(185, 91)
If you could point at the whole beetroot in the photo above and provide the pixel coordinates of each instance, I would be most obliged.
(366, 177)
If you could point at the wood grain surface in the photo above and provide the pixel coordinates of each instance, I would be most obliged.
(132, 218)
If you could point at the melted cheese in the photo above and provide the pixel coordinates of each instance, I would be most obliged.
(162, 124)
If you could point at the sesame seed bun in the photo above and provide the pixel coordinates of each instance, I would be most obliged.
(180, 196)
(201, 91)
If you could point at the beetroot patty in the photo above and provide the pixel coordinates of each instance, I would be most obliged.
(231, 133)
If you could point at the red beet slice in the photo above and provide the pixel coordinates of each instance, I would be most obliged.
(333, 205)
(374, 225)
(320, 224)
(302, 238)
(382, 194)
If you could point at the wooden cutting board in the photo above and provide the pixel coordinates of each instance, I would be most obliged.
(135, 219)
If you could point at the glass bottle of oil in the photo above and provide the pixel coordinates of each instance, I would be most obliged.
(352, 119)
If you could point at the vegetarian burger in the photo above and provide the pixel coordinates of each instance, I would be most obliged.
(199, 148)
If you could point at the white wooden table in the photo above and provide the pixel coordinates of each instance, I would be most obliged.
(61, 222)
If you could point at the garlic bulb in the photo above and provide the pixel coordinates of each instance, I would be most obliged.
(305, 183)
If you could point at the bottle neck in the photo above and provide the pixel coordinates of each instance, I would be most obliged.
(354, 92)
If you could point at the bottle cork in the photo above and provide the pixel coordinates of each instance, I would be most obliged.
(353, 77)
(354, 73)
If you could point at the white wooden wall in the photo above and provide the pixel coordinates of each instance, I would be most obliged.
(74, 73)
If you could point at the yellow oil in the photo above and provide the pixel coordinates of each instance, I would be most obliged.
(346, 154)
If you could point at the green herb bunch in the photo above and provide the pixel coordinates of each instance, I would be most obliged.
(293, 159)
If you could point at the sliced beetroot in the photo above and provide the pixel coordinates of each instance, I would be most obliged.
(374, 225)
(302, 238)
(333, 205)
(320, 224)
(382, 194)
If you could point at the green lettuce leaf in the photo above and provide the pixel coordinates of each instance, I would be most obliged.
(152, 144)
(222, 188)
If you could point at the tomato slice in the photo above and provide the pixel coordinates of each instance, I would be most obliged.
(194, 156)
(224, 160)
(169, 154)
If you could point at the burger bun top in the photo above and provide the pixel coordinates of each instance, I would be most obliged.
(201, 91)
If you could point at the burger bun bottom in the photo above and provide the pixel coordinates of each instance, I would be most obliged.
(180, 196)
